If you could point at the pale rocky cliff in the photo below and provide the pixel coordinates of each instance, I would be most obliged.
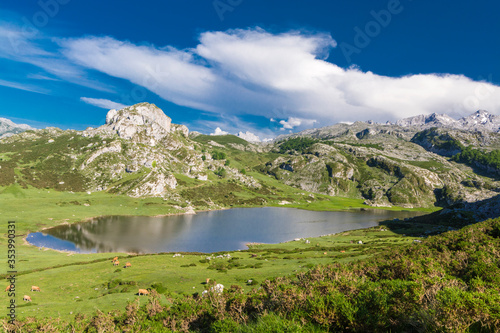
(480, 120)
(143, 122)
(8, 128)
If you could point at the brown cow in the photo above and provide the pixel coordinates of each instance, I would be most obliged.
(27, 298)
(128, 265)
(208, 280)
(35, 288)
(143, 291)
(8, 287)
(116, 263)
(114, 259)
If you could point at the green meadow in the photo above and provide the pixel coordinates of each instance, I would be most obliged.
(84, 283)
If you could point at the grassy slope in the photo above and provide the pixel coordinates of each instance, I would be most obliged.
(71, 289)
(64, 276)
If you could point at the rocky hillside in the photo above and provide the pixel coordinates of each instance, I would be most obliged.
(139, 152)
(407, 164)
(8, 128)
(480, 120)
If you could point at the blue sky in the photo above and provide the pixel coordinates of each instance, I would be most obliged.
(266, 67)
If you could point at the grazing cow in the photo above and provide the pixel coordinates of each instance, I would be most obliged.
(143, 292)
(116, 263)
(27, 298)
(8, 287)
(115, 259)
(35, 288)
(128, 265)
(342, 251)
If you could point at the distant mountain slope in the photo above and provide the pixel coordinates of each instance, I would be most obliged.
(140, 152)
(480, 120)
(8, 128)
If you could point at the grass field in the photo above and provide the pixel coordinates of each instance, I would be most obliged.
(82, 283)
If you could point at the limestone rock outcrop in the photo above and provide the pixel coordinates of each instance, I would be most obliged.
(141, 122)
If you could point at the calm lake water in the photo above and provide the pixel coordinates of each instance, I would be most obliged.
(223, 230)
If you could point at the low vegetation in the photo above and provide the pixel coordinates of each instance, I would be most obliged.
(484, 160)
(299, 145)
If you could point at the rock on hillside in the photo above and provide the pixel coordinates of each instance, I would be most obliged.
(8, 128)
(144, 122)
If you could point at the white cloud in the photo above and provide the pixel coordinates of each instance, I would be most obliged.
(293, 122)
(22, 86)
(248, 71)
(170, 73)
(41, 77)
(218, 131)
(31, 47)
(103, 103)
(249, 136)
(252, 71)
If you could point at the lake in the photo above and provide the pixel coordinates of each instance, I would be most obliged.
(213, 231)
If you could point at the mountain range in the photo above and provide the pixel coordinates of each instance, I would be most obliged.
(478, 121)
(139, 152)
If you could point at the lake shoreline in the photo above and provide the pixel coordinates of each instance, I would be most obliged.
(245, 231)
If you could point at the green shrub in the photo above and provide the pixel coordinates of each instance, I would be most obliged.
(300, 145)
(160, 289)
(216, 155)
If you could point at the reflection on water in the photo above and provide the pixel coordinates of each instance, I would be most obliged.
(223, 230)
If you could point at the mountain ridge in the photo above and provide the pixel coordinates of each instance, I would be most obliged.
(140, 152)
(8, 128)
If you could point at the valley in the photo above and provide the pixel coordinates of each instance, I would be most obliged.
(140, 164)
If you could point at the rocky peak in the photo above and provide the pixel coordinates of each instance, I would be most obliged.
(481, 119)
(140, 121)
(432, 120)
(8, 128)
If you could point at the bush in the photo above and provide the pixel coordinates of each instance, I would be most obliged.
(216, 155)
(221, 172)
(476, 157)
(300, 145)
(160, 289)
